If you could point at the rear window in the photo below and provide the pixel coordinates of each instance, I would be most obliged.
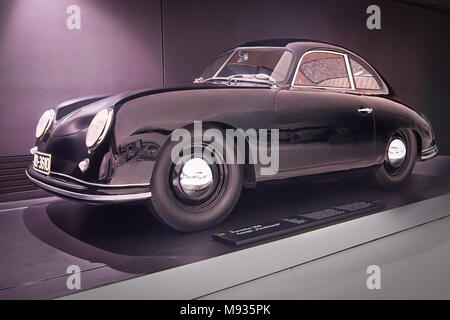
(363, 78)
(322, 69)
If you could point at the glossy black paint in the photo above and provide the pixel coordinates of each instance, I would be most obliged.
(321, 130)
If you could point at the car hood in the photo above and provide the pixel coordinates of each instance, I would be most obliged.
(83, 110)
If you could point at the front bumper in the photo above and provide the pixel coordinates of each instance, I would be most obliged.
(429, 153)
(79, 191)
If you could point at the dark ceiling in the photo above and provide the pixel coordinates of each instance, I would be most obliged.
(440, 5)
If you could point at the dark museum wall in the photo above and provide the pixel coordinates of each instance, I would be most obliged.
(43, 63)
(125, 45)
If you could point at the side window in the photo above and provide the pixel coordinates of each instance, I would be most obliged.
(363, 78)
(322, 69)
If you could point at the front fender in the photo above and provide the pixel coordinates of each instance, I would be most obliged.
(143, 125)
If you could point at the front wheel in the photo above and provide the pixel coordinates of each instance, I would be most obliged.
(197, 191)
(399, 160)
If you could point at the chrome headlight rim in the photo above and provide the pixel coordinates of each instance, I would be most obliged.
(92, 143)
(44, 123)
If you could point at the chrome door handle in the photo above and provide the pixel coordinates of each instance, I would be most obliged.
(365, 110)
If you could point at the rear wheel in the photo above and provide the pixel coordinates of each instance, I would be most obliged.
(399, 160)
(197, 191)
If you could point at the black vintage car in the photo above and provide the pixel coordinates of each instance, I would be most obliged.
(331, 109)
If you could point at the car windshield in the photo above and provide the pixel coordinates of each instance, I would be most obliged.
(265, 64)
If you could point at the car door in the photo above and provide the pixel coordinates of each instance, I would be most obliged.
(321, 118)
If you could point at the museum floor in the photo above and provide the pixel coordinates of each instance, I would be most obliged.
(414, 264)
(123, 253)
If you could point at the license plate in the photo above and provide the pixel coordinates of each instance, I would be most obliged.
(42, 162)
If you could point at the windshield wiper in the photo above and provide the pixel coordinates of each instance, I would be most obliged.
(258, 78)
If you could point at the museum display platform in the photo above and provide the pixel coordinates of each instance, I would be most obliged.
(124, 253)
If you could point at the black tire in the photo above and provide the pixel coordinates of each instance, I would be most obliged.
(174, 208)
(387, 175)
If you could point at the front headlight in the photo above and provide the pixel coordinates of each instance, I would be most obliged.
(98, 128)
(45, 122)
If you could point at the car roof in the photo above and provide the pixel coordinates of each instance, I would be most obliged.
(272, 42)
(296, 45)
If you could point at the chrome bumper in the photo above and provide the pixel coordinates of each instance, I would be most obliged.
(89, 197)
(429, 153)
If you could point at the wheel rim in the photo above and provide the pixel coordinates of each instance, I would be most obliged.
(195, 177)
(197, 182)
(397, 154)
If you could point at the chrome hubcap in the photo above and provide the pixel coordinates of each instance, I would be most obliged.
(396, 153)
(197, 181)
(196, 175)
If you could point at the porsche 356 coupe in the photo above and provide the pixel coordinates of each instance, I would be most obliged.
(332, 109)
